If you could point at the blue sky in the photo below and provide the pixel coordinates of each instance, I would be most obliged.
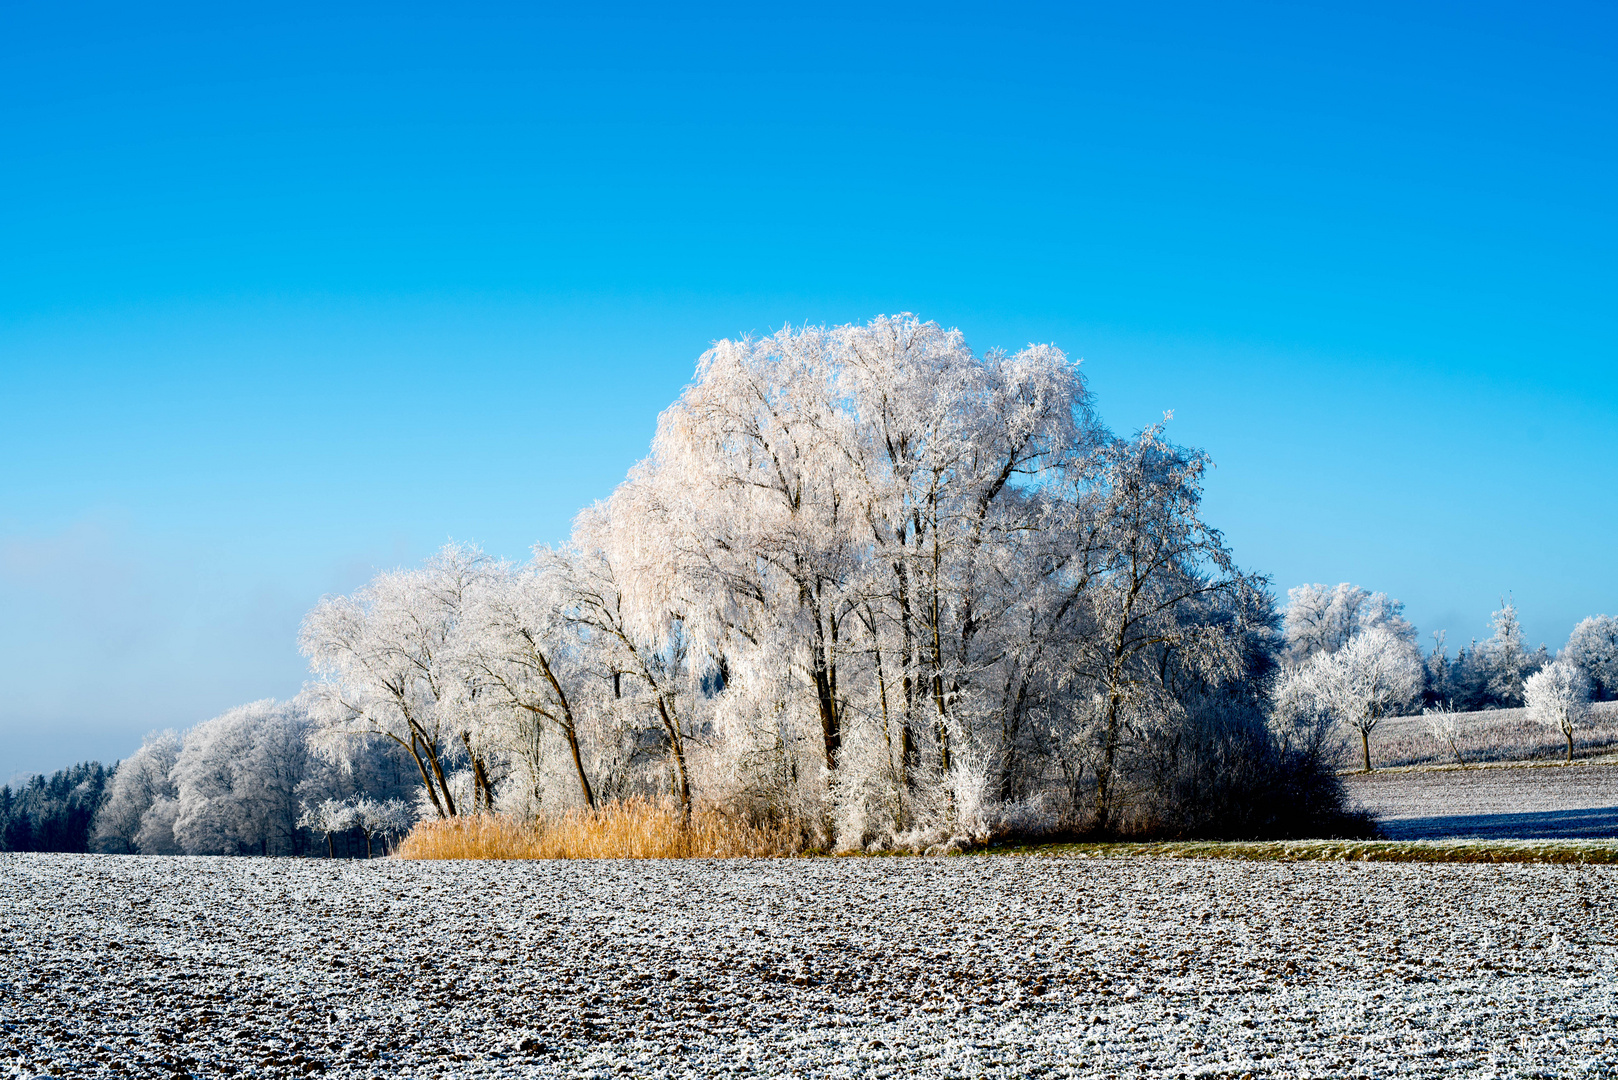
(291, 294)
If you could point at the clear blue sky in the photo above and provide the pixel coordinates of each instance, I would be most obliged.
(289, 295)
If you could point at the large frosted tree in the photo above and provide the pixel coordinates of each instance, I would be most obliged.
(868, 583)
(1322, 619)
(901, 558)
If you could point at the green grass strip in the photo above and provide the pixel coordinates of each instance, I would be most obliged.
(1432, 851)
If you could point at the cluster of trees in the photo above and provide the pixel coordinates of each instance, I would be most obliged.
(53, 813)
(244, 783)
(868, 584)
(1351, 659)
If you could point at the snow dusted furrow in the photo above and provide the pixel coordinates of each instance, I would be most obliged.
(851, 967)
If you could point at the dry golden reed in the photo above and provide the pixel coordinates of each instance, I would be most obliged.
(632, 829)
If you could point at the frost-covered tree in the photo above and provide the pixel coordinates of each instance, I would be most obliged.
(238, 779)
(386, 667)
(1558, 697)
(329, 817)
(1321, 619)
(140, 782)
(1506, 659)
(1448, 726)
(1156, 576)
(1593, 646)
(383, 820)
(897, 562)
(1378, 673)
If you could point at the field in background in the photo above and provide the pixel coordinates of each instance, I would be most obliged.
(1548, 801)
(1513, 785)
(1493, 735)
(1411, 851)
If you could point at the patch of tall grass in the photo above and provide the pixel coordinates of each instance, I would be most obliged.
(631, 829)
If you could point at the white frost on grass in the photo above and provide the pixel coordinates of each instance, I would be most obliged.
(995, 967)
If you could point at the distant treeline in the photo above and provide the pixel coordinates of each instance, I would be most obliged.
(219, 788)
(53, 813)
(249, 783)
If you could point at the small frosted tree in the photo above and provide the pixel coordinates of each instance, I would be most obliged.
(1448, 725)
(329, 817)
(1558, 696)
(1377, 674)
(381, 820)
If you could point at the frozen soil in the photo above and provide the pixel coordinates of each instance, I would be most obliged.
(1528, 802)
(977, 966)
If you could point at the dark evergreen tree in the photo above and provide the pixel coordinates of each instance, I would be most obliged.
(53, 813)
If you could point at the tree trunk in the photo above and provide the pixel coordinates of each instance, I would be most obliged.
(677, 748)
(1109, 755)
(569, 727)
(578, 767)
(896, 773)
(831, 733)
(330, 853)
(482, 789)
(448, 807)
(426, 777)
(1009, 733)
(1569, 733)
(824, 673)
(909, 661)
(940, 711)
(1365, 745)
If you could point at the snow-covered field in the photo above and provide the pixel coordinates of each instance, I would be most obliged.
(979, 966)
(1546, 801)
(1491, 735)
